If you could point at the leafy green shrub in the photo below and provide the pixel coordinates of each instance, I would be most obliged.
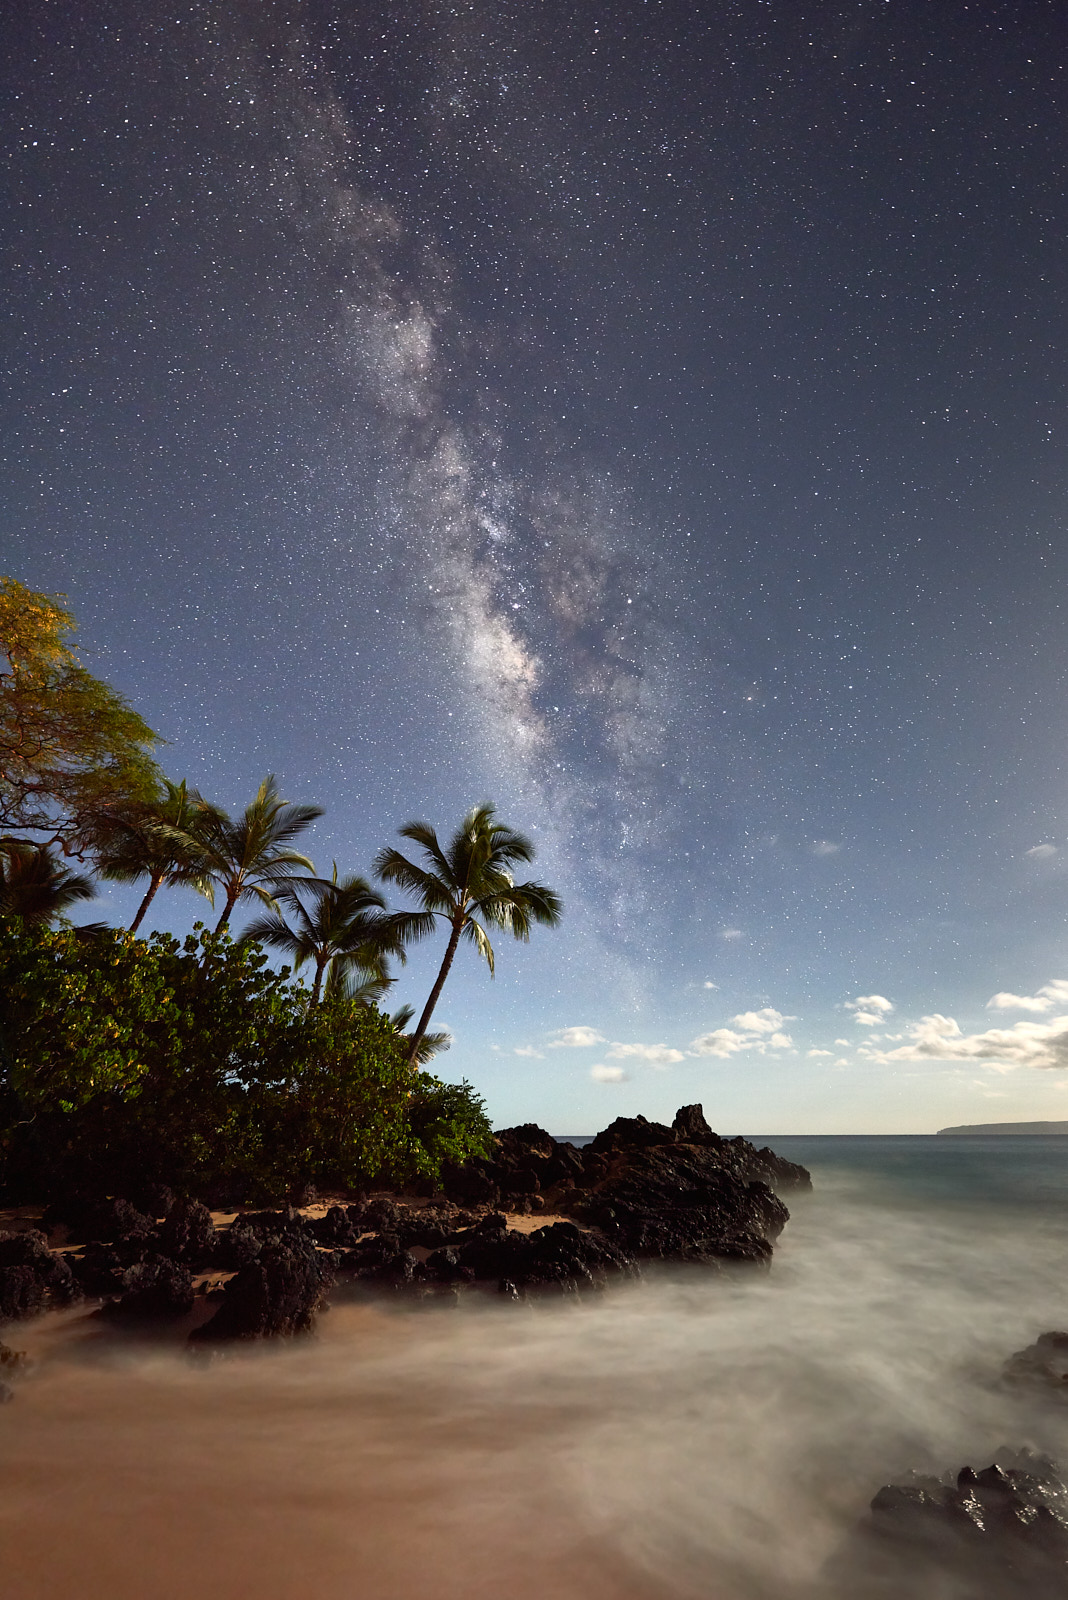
(448, 1122)
(128, 1062)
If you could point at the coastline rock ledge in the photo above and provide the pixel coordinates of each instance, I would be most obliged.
(638, 1192)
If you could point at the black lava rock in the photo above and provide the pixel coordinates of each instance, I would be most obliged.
(1043, 1364)
(560, 1255)
(247, 1235)
(336, 1228)
(108, 1220)
(13, 1363)
(675, 1202)
(152, 1290)
(32, 1278)
(997, 1534)
(188, 1233)
(277, 1293)
(443, 1266)
(640, 1190)
(470, 1185)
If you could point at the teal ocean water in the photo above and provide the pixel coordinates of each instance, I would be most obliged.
(1022, 1173)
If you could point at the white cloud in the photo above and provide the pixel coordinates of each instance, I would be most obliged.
(766, 1021)
(1025, 1044)
(604, 1074)
(708, 984)
(1041, 852)
(754, 1030)
(732, 933)
(1051, 994)
(843, 1044)
(869, 1009)
(720, 1042)
(529, 1050)
(661, 1055)
(579, 1038)
(824, 847)
(813, 1053)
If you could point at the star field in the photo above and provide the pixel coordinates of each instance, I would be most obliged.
(650, 417)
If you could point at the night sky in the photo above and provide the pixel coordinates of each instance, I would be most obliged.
(648, 416)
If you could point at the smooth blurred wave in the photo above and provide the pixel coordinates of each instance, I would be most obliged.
(687, 1436)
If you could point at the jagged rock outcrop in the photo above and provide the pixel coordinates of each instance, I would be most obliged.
(530, 1171)
(278, 1291)
(997, 1534)
(1043, 1364)
(187, 1233)
(639, 1191)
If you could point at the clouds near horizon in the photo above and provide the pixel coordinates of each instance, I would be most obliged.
(940, 1038)
(1053, 993)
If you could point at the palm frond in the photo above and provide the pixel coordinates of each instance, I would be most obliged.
(430, 1045)
(423, 834)
(478, 936)
(519, 907)
(412, 926)
(35, 886)
(433, 893)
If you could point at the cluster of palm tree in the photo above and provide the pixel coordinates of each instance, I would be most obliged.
(340, 927)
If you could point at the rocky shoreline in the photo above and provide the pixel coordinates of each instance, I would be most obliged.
(639, 1192)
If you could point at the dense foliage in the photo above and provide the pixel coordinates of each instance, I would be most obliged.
(128, 1062)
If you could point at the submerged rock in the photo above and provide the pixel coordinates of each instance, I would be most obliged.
(1043, 1364)
(13, 1365)
(997, 1534)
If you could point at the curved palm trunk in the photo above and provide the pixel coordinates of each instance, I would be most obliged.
(320, 968)
(153, 885)
(439, 984)
(231, 901)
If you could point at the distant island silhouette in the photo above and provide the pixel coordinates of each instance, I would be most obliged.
(979, 1129)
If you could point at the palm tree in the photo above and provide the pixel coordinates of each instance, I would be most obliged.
(344, 929)
(352, 979)
(469, 880)
(251, 859)
(430, 1045)
(34, 885)
(159, 841)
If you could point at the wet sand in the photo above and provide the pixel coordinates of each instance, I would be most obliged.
(134, 1474)
(688, 1437)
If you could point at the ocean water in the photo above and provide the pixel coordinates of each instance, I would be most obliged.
(691, 1435)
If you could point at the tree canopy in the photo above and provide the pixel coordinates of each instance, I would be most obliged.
(71, 747)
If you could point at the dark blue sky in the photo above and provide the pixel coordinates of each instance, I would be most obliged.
(650, 417)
